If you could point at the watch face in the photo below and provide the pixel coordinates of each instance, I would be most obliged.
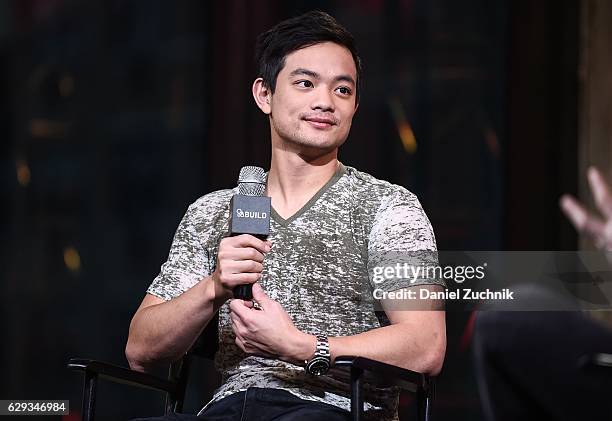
(318, 366)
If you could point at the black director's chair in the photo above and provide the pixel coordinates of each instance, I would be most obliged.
(357, 370)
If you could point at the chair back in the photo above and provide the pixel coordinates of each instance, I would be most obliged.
(205, 346)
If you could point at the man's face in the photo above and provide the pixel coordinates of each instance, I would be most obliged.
(313, 104)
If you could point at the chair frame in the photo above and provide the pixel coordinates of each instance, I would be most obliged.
(176, 383)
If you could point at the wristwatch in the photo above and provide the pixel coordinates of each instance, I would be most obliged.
(321, 361)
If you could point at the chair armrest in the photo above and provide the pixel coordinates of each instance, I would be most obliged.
(123, 375)
(600, 362)
(384, 375)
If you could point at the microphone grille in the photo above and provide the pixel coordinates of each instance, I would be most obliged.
(252, 181)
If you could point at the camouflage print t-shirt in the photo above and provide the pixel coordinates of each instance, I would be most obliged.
(317, 269)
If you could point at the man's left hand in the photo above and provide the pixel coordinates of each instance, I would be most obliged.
(269, 331)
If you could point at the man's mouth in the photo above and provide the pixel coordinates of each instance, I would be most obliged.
(320, 122)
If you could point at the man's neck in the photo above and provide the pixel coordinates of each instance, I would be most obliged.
(293, 180)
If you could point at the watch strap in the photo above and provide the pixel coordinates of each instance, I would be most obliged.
(321, 350)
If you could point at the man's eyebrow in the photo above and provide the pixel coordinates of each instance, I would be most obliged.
(302, 71)
(315, 75)
(345, 78)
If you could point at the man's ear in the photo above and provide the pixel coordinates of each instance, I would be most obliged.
(262, 95)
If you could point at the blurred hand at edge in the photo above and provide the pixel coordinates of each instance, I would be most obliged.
(598, 228)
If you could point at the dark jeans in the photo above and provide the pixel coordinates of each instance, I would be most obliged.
(262, 404)
(527, 366)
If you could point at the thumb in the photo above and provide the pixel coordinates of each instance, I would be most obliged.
(259, 295)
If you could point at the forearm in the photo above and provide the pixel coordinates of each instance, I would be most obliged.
(404, 345)
(165, 331)
(417, 345)
(415, 340)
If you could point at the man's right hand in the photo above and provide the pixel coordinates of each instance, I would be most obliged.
(239, 262)
(163, 330)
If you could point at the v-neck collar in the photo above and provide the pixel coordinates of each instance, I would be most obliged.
(285, 222)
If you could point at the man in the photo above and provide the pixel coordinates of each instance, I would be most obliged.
(529, 365)
(330, 224)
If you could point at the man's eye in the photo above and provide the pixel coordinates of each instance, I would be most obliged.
(304, 83)
(344, 90)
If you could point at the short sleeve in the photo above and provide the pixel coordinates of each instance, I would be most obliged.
(400, 241)
(187, 262)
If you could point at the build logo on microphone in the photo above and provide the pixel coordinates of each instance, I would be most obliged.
(248, 214)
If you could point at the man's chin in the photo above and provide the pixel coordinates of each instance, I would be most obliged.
(310, 144)
(319, 140)
(313, 150)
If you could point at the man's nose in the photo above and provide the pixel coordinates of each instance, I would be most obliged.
(323, 100)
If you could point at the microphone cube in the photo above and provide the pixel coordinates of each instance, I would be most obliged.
(250, 215)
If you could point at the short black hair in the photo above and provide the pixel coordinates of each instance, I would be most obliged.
(311, 28)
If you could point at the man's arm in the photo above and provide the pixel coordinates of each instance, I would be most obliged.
(163, 331)
(415, 340)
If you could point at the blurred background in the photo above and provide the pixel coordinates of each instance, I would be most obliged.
(115, 115)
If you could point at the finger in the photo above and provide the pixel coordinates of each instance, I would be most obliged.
(236, 279)
(231, 281)
(233, 254)
(241, 311)
(583, 221)
(601, 192)
(246, 253)
(253, 305)
(573, 210)
(243, 266)
(237, 326)
(244, 343)
(247, 347)
(247, 240)
(240, 344)
(259, 295)
(248, 304)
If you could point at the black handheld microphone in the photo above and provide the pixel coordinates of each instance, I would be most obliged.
(250, 213)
